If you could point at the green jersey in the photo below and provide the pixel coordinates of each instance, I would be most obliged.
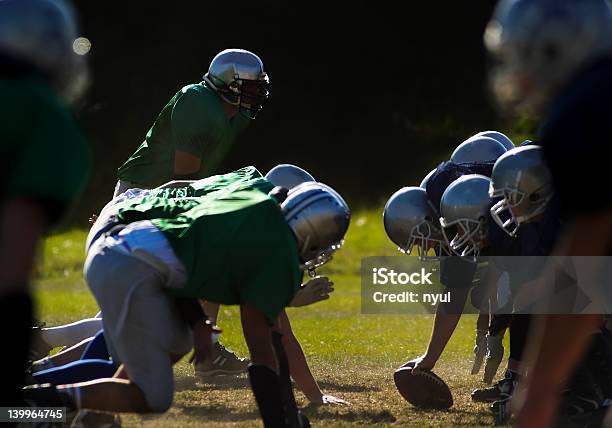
(193, 121)
(242, 178)
(231, 237)
(43, 153)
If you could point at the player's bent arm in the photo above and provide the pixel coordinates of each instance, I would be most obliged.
(445, 322)
(186, 165)
(298, 366)
(22, 223)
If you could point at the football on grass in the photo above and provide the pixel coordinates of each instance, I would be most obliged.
(422, 389)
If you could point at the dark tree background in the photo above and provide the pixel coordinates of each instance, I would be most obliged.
(368, 96)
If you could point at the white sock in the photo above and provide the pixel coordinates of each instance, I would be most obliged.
(70, 334)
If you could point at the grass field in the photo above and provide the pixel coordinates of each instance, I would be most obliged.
(353, 356)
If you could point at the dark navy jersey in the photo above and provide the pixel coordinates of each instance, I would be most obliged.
(465, 273)
(534, 242)
(575, 138)
(461, 272)
(538, 239)
(447, 172)
(502, 247)
(532, 239)
(500, 243)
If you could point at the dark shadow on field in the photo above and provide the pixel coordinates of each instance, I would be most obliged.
(486, 418)
(315, 413)
(218, 413)
(451, 411)
(325, 385)
(219, 383)
(226, 383)
(183, 383)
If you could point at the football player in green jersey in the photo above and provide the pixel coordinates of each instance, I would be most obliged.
(198, 125)
(233, 239)
(191, 136)
(45, 159)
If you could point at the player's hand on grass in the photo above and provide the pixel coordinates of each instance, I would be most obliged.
(313, 291)
(329, 400)
(421, 363)
(203, 332)
(335, 401)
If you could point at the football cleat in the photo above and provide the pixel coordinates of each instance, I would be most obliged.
(502, 411)
(583, 395)
(501, 390)
(600, 362)
(222, 362)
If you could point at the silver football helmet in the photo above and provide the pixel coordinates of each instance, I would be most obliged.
(465, 208)
(497, 136)
(288, 176)
(425, 180)
(478, 149)
(410, 219)
(238, 76)
(42, 33)
(524, 182)
(539, 45)
(319, 219)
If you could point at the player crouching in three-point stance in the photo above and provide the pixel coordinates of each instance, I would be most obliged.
(233, 239)
(411, 218)
(464, 199)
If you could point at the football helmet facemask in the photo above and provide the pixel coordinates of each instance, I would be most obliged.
(238, 77)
